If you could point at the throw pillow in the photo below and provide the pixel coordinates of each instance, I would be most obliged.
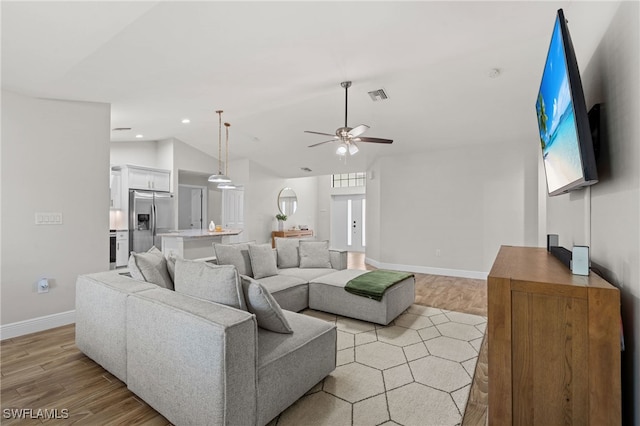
(217, 283)
(236, 255)
(288, 252)
(150, 267)
(314, 254)
(263, 262)
(171, 265)
(266, 309)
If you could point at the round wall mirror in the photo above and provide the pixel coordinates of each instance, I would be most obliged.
(287, 201)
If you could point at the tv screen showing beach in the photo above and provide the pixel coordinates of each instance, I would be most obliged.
(557, 121)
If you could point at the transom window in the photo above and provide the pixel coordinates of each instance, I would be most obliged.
(346, 180)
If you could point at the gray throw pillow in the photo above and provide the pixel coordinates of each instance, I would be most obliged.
(314, 254)
(171, 265)
(217, 283)
(236, 255)
(150, 267)
(263, 262)
(262, 304)
(288, 256)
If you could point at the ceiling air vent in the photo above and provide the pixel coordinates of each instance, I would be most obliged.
(121, 129)
(378, 95)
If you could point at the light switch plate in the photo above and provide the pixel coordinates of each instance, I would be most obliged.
(49, 218)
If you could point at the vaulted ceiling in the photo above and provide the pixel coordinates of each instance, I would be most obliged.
(275, 69)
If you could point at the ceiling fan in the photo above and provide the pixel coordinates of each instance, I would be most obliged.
(348, 136)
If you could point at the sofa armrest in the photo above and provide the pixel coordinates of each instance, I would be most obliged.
(338, 259)
(192, 360)
(101, 305)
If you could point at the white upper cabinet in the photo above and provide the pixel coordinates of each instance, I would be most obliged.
(115, 185)
(152, 179)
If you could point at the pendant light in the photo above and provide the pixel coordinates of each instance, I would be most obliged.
(219, 178)
(228, 184)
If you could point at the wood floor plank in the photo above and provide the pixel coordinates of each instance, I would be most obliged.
(46, 369)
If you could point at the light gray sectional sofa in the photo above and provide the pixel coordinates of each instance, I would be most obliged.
(195, 361)
(219, 349)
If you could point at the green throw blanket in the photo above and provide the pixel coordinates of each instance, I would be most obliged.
(373, 284)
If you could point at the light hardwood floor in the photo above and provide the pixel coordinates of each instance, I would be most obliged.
(46, 371)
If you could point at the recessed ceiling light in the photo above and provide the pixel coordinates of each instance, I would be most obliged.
(121, 129)
(186, 121)
(305, 169)
(139, 136)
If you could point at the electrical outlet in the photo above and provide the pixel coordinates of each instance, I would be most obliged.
(43, 285)
(438, 252)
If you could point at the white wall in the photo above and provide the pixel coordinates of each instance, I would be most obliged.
(55, 158)
(613, 77)
(463, 202)
(139, 153)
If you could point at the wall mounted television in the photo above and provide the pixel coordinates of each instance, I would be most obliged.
(565, 136)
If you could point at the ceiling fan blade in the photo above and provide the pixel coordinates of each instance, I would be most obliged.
(358, 130)
(374, 140)
(320, 143)
(320, 133)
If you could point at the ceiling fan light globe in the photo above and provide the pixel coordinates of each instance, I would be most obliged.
(342, 149)
(353, 149)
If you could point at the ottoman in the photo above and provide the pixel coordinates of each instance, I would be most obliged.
(327, 293)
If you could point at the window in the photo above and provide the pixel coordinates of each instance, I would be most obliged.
(346, 180)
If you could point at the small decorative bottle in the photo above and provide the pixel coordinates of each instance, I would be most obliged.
(212, 226)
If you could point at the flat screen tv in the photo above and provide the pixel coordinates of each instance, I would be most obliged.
(565, 136)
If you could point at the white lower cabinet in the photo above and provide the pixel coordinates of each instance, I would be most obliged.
(122, 248)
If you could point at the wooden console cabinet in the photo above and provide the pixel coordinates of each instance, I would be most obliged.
(554, 343)
(290, 234)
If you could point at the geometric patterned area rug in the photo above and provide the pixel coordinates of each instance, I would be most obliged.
(415, 371)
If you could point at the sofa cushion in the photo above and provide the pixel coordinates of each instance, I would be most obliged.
(217, 283)
(171, 265)
(263, 262)
(151, 267)
(314, 254)
(291, 293)
(236, 255)
(288, 256)
(291, 364)
(267, 311)
(306, 274)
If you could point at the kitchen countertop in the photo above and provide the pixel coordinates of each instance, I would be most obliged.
(200, 233)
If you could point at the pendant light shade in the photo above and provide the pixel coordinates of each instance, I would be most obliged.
(220, 177)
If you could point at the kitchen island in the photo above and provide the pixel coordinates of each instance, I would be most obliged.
(195, 243)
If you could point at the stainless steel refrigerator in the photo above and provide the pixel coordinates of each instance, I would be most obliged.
(150, 214)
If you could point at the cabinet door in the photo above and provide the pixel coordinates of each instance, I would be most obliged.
(122, 248)
(160, 181)
(116, 190)
(139, 179)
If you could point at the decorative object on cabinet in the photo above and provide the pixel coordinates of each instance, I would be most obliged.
(226, 185)
(282, 218)
(290, 234)
(554, 342)
(287, 201)
(220, 177)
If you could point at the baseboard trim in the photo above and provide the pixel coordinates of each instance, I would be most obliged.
(428, 270)
(34, 325)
